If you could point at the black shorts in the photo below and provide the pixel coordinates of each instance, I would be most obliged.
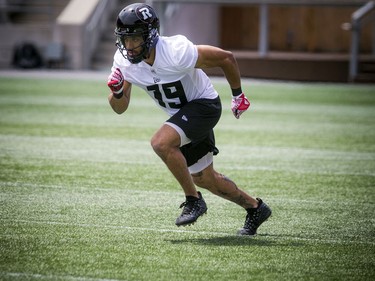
(197, 119)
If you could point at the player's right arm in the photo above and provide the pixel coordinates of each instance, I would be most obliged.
(119, 97)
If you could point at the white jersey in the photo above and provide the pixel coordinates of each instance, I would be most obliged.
(172, 80)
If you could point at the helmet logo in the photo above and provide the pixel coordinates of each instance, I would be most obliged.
(145, 13)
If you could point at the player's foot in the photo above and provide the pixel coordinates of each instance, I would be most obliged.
(193, 209)
(254, 218)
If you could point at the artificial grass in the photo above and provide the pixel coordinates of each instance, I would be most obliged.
(83, 197)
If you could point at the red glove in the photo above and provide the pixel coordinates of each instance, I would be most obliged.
(116, 81)
(239, 105)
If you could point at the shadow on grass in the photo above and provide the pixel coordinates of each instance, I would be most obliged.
(236, 241)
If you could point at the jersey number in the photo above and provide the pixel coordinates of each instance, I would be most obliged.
(173, 90)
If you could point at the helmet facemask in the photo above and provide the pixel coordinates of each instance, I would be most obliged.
(141, 50)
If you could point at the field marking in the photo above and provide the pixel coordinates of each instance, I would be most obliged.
(61, 277)
(81, 188)
(132, 228)
(211, 233)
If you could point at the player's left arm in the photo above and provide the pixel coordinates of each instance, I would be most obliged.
(210, 56)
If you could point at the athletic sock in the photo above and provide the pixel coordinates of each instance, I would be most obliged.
(191, 198)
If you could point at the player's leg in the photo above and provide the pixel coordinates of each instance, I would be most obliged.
(224, 187)
(166, 144)
(257, 211)
(173, 143)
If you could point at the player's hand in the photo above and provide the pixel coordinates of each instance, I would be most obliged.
(239, 105)
(116, 81)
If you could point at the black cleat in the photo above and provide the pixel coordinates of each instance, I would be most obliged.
(254, 218)
(193, 209)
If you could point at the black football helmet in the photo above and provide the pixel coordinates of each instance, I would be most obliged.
(137, 19)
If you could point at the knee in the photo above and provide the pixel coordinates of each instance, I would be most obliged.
(165, 140)
(158, 145)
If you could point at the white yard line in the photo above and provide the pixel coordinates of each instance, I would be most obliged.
(135, 193)
(184, 231)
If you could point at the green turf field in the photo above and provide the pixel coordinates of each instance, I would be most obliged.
(83, 197)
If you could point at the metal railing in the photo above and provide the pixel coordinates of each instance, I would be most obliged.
(93, 30)
(358, 19)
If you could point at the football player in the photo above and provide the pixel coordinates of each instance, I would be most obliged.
(169, 70)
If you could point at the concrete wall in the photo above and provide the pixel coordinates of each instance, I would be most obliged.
(79, 28)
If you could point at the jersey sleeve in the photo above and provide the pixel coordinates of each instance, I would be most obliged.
(116, 60)
(185, 53)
